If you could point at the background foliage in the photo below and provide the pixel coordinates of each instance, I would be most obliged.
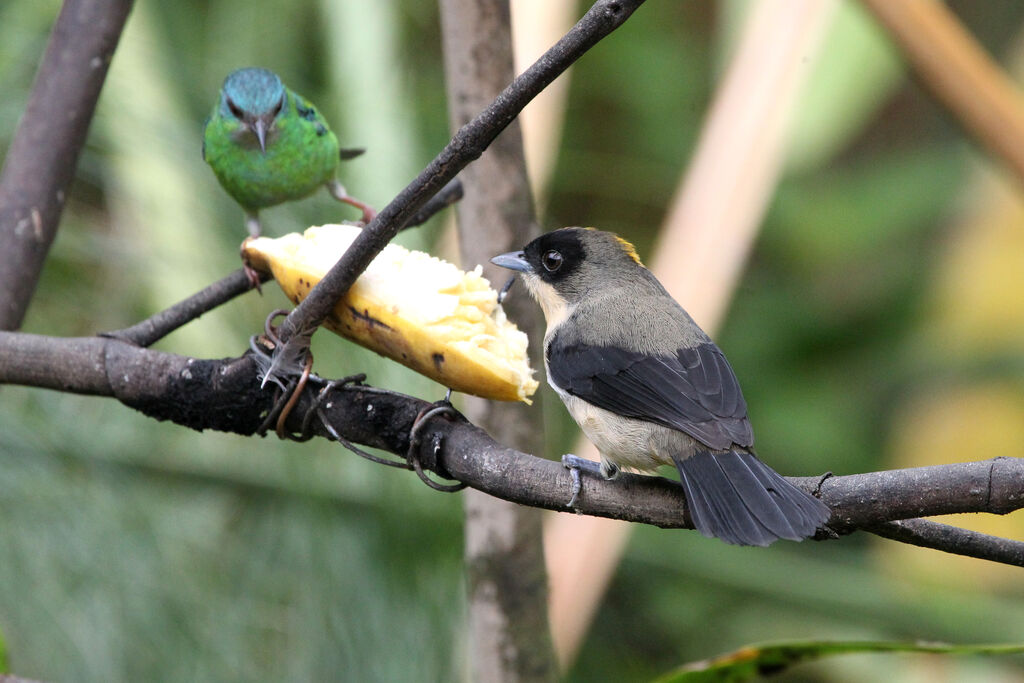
(879, 325)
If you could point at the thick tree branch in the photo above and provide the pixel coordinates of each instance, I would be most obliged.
(41, 161)
(995, 485)
(467, 145)
(225, 395)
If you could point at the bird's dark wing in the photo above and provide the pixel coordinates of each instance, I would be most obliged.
(693, 390)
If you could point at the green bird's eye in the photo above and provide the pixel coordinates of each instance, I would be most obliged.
(552, 260)
(234, 109)
(279, 107)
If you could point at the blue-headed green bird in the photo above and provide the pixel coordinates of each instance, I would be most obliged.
(267, 145)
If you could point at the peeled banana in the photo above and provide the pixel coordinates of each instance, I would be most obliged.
(414, 308)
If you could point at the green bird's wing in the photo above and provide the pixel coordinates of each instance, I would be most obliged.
(306, 111)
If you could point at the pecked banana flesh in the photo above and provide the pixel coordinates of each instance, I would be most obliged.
(409, 306)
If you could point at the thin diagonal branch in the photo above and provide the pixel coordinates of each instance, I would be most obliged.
(448, 195)
(159, 325)
(41, 161)
(467, 145)
(928, 534)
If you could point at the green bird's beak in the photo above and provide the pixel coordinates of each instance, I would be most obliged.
(260, 128)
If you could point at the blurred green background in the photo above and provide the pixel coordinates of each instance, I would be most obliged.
(880, 324)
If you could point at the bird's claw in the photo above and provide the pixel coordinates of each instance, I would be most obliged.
(576, 486)
(251, 274)
(574, 464)
(369, 213)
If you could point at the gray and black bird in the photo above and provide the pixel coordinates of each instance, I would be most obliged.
(648, 387)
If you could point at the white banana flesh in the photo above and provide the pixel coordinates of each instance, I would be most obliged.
(409, 306)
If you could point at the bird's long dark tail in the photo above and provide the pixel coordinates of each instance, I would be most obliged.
(737, 498)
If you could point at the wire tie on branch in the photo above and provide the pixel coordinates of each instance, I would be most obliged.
(317, 408)
(287, 395)
(293, 398)
(415, 439)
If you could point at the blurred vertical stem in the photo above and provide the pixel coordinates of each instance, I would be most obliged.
(367, 67)
(508, 630)
(41, 161)
(537, 25)
(959, 73)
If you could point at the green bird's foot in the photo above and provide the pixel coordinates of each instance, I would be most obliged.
(252, 224)
(253, 276)
(337, 191)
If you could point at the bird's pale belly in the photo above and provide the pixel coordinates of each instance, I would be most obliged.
(627, 442)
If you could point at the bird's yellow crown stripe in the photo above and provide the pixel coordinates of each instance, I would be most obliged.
(627, 247)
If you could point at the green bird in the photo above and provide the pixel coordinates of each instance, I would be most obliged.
(267, 145)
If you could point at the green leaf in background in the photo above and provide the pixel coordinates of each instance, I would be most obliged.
(771, 658)
(856, 73)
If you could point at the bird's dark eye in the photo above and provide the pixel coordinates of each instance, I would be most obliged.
(279, 107)
(552, 261)
(234, 108)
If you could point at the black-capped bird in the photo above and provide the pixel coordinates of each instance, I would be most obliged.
(648, 387)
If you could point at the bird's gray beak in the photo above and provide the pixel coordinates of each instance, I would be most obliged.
(260, 128)
(513, 260)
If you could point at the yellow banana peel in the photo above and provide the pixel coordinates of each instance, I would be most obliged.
(411, 307)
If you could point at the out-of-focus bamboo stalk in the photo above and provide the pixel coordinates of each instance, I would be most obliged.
(536, 25)
(959, 73)
(704, 245)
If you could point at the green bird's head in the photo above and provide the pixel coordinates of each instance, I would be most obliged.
(255, 98)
